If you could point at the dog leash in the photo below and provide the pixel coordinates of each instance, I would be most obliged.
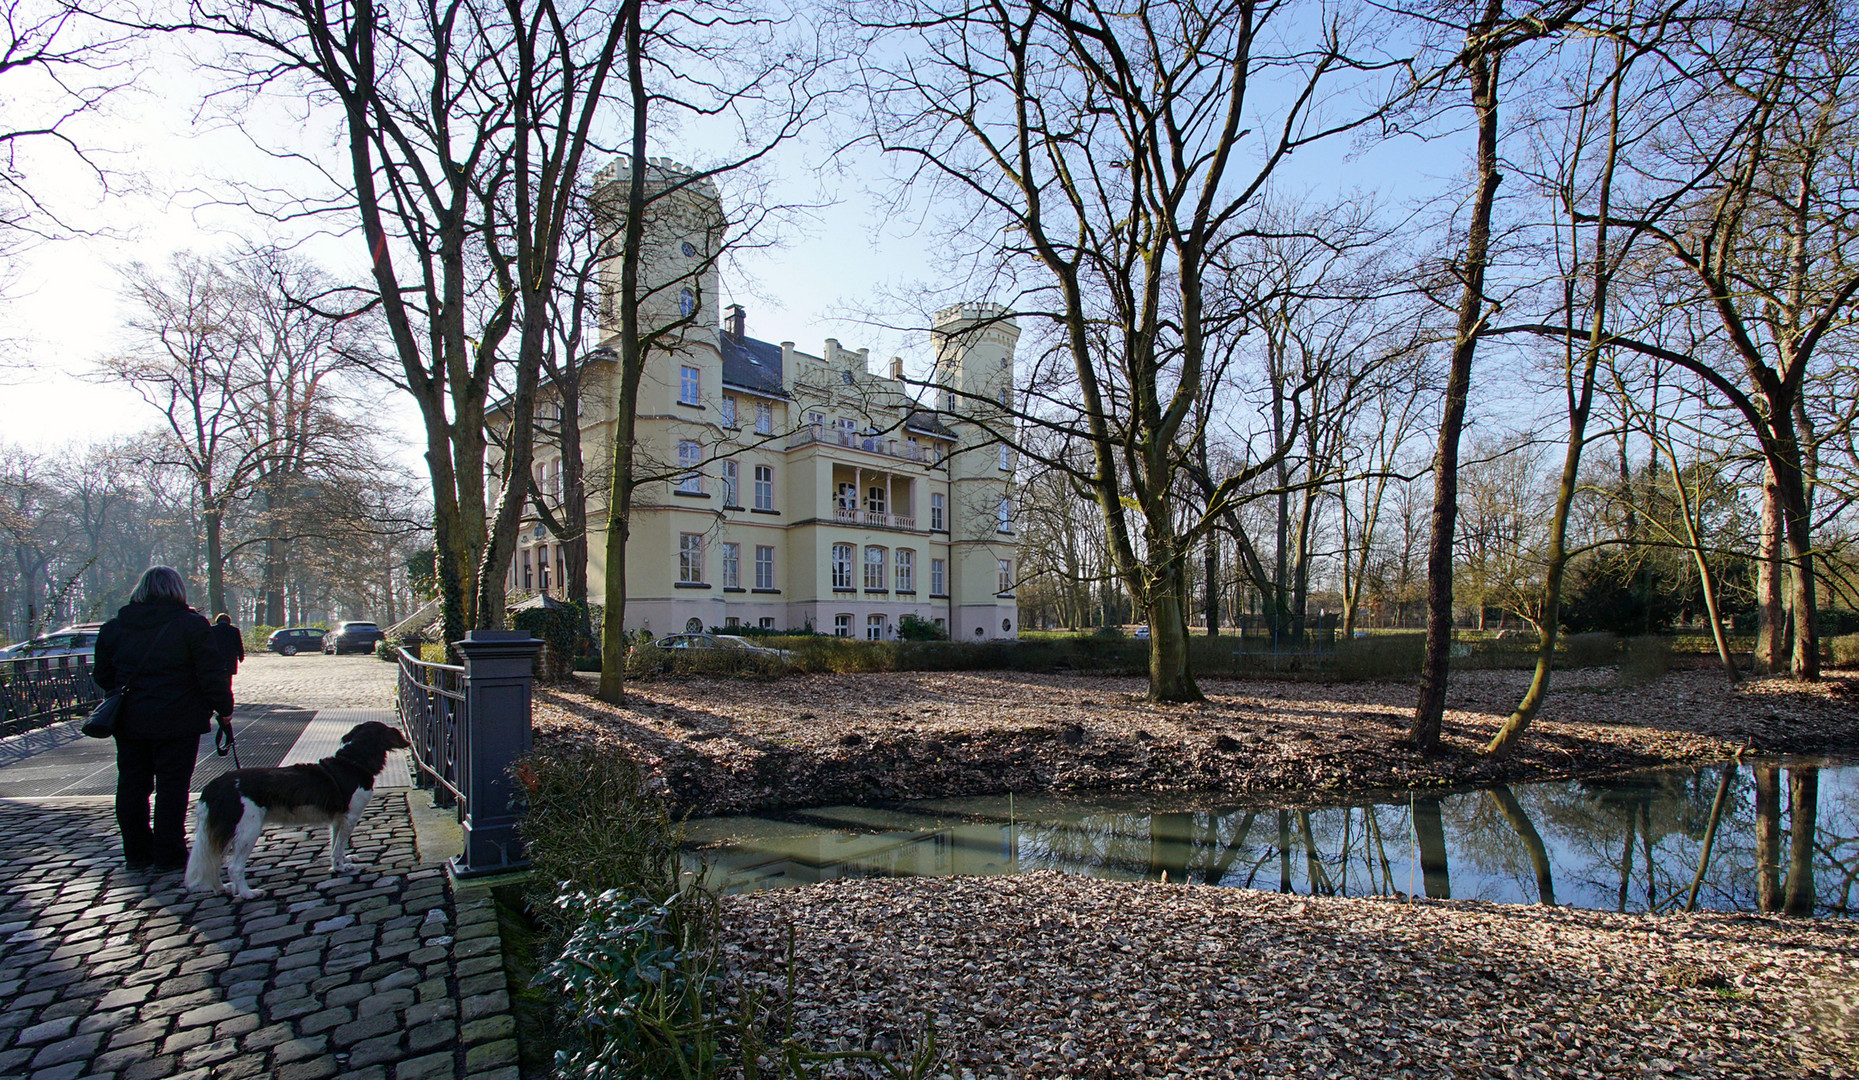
(223, 742)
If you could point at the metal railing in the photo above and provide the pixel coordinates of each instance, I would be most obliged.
(876, 444)
(433, 708)
(36, 692)
(468, 725)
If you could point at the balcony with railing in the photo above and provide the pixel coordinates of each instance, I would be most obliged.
(904, 450)
(875, 519)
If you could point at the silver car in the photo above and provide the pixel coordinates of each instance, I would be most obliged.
(720, 641)
(79, 640)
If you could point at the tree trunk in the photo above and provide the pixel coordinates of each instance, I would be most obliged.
(1803, 815)
(216, 562)
(1213, 587)
(1771, 633)
(1520, 823)
(1768, 838)
(1431, 708)
(1430, 835)
(1170, 679)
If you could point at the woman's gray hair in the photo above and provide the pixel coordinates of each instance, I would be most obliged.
(160, 583)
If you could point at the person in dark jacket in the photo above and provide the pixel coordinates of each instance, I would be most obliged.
(163, 655)
(231, 643)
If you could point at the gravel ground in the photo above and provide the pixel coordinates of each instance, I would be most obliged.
(1049, 975)
(737, 745)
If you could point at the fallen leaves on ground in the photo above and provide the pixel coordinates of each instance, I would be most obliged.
(736, 745)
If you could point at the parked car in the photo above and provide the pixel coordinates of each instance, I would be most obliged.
(294, 639)
(720, 641)
(352, 637)
(1141, 634)
(78, 640)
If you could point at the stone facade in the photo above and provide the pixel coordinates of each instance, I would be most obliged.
(795, 490)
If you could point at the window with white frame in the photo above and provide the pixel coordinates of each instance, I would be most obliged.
(764, 418)
(874, 628)
(727, 409)
(874, 568)
(1006, 515)
(1006, 453)
(939, 582)
(942, 625)
(764, 567)
(906, 577)
(691, 558)
(732, 495)
(874, 499)
(732, 565)
(842, 626)
(847, 498)
(688, 385)
(529, 578)
(764, 487)
(731, 622)
(816, 421)
(690, 457)
(937, 516)
(768, 622)
(842, 566)
(1006, 576)
(542, 567)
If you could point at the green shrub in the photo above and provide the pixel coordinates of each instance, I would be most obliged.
(1844, 650)
(594, 824)
(911, 628)
(565, 632)
(1380, 656)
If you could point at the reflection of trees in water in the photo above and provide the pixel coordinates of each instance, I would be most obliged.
(1779, 839)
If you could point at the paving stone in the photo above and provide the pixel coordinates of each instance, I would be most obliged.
(430, 1067)
(141, 1033)
(76, 1048)
(325, 1020)
(128, 995)
(376, 1050)
(47, 1032)
(490, 1028)
(207, 1014)
(482, 1005)
(489, 1056)
(299, 1049)
(482, 984)
(314, 1069)
(69, 1070)
(186, 1039)
(216, 1051)
(367, 1027)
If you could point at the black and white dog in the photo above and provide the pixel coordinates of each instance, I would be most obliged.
(236, 807)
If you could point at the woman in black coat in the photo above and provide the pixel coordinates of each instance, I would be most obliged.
(162, 652)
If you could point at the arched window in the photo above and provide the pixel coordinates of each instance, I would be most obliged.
(693, 625)
(874, 567)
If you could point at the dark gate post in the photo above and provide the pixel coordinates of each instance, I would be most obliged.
(498, 666)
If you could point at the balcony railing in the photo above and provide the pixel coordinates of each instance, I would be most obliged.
(876, 444)
(876, 519)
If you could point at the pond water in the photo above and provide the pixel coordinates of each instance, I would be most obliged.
(1781, 836)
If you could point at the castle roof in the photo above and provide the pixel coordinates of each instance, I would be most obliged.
(751, 364)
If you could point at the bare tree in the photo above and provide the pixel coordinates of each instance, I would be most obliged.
(1103, 154)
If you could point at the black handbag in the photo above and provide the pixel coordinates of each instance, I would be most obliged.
(101, 723)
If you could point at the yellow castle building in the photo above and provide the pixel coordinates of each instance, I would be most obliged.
(798, 491)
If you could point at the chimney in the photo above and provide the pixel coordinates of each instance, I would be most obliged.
(897, 368)
(737, 321)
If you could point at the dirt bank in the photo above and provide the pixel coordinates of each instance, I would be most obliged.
(735, 745)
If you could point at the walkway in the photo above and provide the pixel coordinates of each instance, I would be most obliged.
(387, 974)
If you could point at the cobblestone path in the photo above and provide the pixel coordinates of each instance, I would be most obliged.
(389, 973)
